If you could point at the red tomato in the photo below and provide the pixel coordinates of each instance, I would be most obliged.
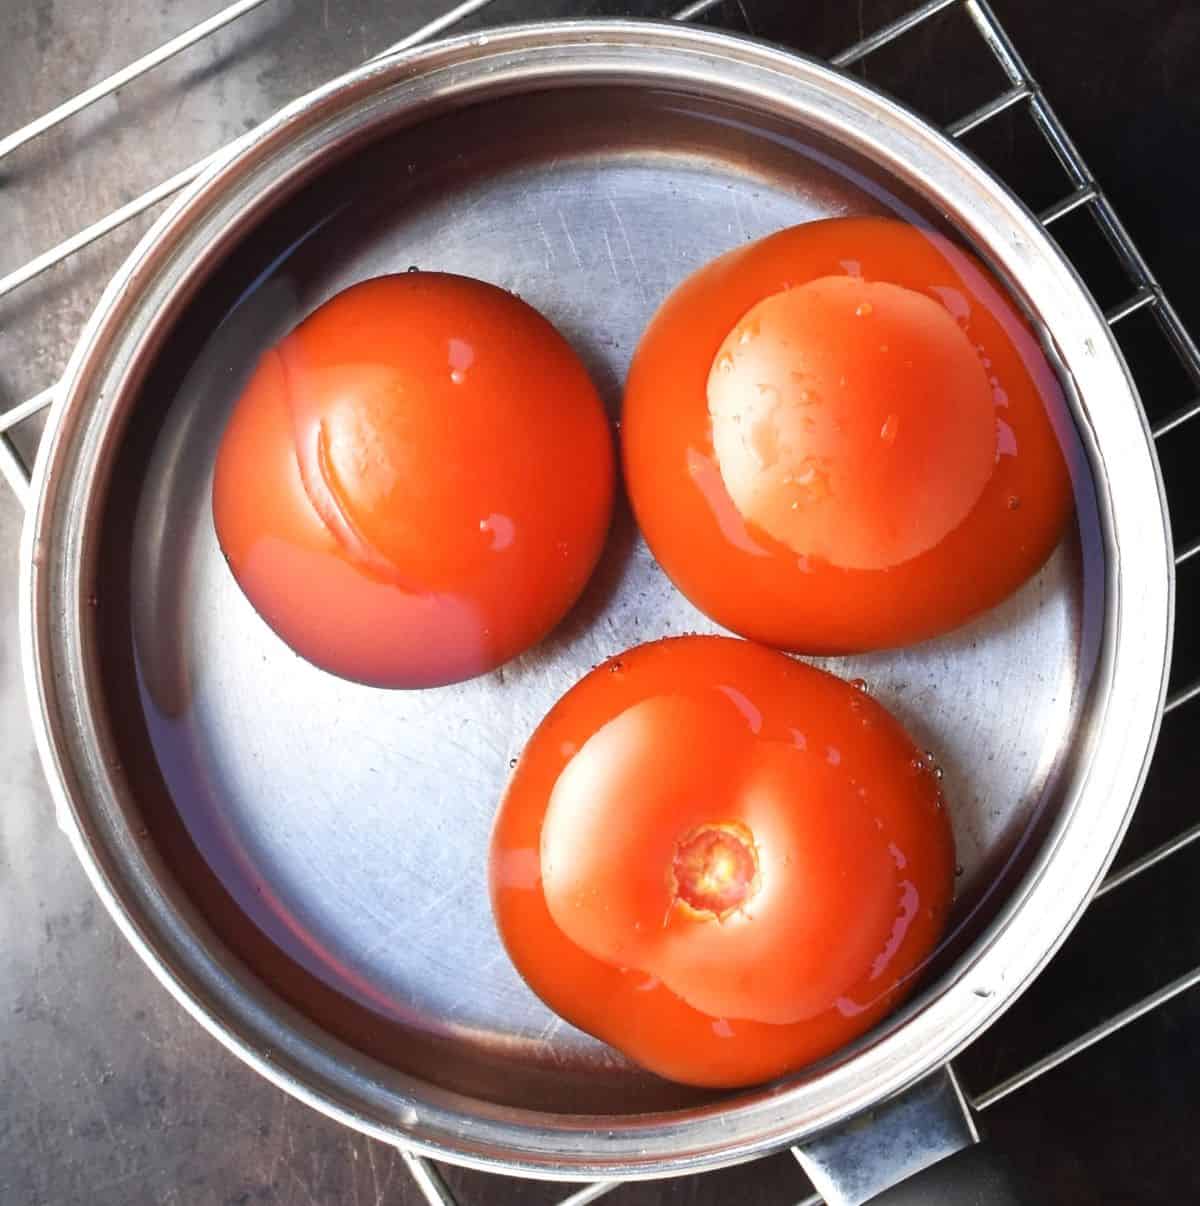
(721, 861)
(416, 482)
(842, 438)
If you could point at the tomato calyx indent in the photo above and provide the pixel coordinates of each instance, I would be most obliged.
(714, 871)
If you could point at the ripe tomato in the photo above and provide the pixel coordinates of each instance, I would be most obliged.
(721, 861)
(842, 437)
(417, 482)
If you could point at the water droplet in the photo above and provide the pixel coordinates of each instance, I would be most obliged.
(413, 267)
(616, 666)
(512, 763)
(938, 772)
(457, 376)
(725, 363)
(863, 309)
(1014, 502)
(93, 601)
(958, 870)
(409, 1116)
(500, 528)
(999, 396)
(833, 756)
(890, 429)
(954, 301)
(859, 684)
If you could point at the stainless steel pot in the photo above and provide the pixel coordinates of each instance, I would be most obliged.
(300, 860)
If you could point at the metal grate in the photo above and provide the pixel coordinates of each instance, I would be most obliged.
(1082, 196)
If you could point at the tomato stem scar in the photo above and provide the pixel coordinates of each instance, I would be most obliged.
(714, 871)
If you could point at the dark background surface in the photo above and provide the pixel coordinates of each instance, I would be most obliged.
(109, 1094)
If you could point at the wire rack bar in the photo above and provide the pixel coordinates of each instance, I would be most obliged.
(107, 224)
(998, 42)
(1069, 204)
(1076, 167)
(1188, 551)
(429, 1181)
(1131, 305)
(13, 470)
(160, 192)
(24, 410)
(1182, 696)
(1088, 1039)
(590, 1193)
(1183, 415)
(1151, 859)
(459, 13)
(1169, 322)
(126, 75)
(890, 32)
(698, 9)
(1014, 96)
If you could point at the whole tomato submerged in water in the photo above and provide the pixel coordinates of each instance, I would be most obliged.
(720, 860)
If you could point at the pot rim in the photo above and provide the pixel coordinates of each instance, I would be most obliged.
(58, 564)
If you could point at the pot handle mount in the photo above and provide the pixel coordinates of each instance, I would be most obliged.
(919, 1148)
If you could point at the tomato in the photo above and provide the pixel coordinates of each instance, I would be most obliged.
(843, 437)
(416, 483)
(722, 861)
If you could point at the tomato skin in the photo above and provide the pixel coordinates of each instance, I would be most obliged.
(853, 851)
(416, 483)
(873, 568)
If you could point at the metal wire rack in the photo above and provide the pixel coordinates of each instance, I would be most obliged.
(1083, 194)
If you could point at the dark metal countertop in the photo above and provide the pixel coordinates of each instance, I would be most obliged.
(109, 1094)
